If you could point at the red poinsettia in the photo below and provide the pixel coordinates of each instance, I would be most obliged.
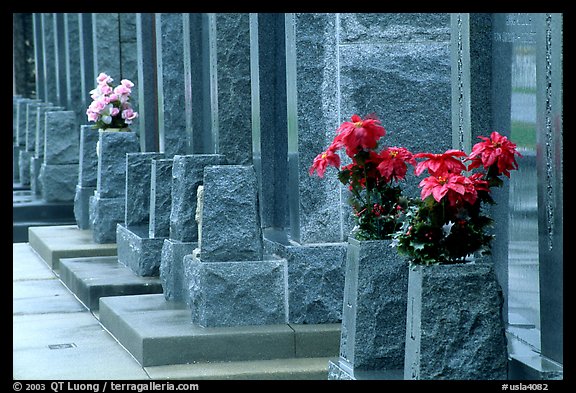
(393, 163)
(438, 164)
(358, 134)
(494, 150)
(455, 187)
(323, 160)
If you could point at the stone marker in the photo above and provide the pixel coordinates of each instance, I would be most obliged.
(87, 175)
(228, 281)
(136, 249)
(107, 206)
(187, 174)
(59, 171)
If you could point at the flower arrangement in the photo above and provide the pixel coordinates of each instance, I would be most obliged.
(111, 106)
(448, 224)
(372, 177)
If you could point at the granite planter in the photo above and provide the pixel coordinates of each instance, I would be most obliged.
(455, 329)
(374, 313)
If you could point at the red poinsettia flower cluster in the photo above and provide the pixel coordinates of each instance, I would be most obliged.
(370, 174)
(448, 224)
(496, 155)
(362, 135)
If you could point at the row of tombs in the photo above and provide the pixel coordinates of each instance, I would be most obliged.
(193, 278)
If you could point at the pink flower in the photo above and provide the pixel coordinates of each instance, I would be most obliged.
(128, 115)
(126, 83)
(104, 79)
(494, 150)
(114, 111)
(438, 164)
(122, 90)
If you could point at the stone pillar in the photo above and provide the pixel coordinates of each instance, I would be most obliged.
(35, 158)
(74, 93)
(187, 175)
(228, 281)
(107, 206)
(230, 49)
(172, 132)
(87, 175)
(136, 249)
(160, 198)
(59, 171)
(49, 57)
(22, 163)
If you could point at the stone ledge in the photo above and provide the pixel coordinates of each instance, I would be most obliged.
(91, 278)
(159, 332)
(66, 241)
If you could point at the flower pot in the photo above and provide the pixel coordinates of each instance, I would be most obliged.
(374, 311)
(454, 323)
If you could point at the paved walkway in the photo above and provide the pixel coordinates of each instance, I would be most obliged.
(54, 336)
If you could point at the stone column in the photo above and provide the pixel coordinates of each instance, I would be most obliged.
(59, 171)
(228, 281)
(21, 122)
(172, 132)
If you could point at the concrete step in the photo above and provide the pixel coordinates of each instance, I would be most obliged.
(66, 241)
(91, 278)
(159, 332)
(275, 369)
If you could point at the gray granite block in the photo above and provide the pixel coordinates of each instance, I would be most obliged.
(61, 138)
(137, 251)
(236, 293)
(113, 146)
(315, 280)
(82, 206)
(454, 327)
(105, 214)
(58, 182)
(160, 198)
(16, 163)
(88, 158)
(374, 313)
(172, 269)
(35, 183)
(24, 166)
(187, 175)
(230, 215)
(41, 127)
(138, 173)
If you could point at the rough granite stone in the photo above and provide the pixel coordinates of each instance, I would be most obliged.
(35, 184)
(187, 174)
(24, 166)
(230, 215)
(58, 182)
(236, 293)
(31, 123)
(113, 146)
(320, 205)
(82, 206)
(138, 173)
(234, 90)
(41, 127)
(160, 198)
(105, 214)
(172, 277)
(88, 158)
(171, 91)
(455, 328)
(374, 314)
(137, 251)
(315, 281)
(61, 138)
